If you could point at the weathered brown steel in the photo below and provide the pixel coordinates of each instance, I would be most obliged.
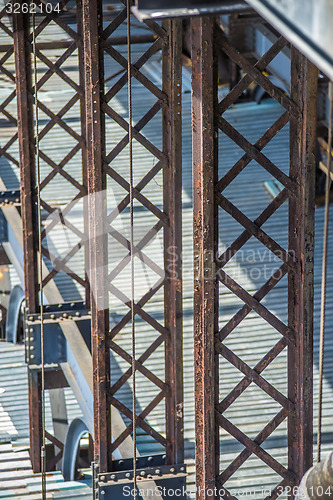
(168, 221)
(304, 80)
(92, 30)
(172, 182)
(64, 44)
(23, 64)
(22, 53)
(297, 262)
(205, 177)
(35, 419)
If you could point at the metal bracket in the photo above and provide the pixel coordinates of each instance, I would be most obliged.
(10, 197)
(54, 344)
(165, 480)
(54, 339)
(66, 310)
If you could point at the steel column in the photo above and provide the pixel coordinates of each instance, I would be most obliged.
(81, 61)
(304, 78)
(172, 182)
(35, 419)
(205, 149)
(94, 77)
(22, 53)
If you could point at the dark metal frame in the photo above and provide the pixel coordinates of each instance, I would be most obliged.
(91, 41)
(296, 336)
(100, 169)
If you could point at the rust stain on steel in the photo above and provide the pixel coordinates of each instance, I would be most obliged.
(94, 70)
(297, 262)
(172, 190)
(304, 80)
(22, 55)
(204, 99)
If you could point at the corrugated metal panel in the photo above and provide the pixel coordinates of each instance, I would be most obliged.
(17, 479)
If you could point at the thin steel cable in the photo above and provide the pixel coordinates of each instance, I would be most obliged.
(40, 260)
(324, 272)
(130, 143)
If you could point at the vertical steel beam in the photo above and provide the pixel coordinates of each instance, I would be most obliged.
(80, 44)
(35, 419)
(205, 171)
(22, 53)
(304, 77)
(172, 182)
(94, 78)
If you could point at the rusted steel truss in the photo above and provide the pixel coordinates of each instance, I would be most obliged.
(91, 165)
(105, 173)
(211, 334)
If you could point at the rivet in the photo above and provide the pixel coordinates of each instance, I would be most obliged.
(32, 356)
(102, 478)
(172, 470)
(128, 475)
(31, 318)
(157, 471)
(77, 313)
(182, 469)
(52, 316)
(113, 477)
(31, 330)
(102, 492)
(142, 473)
(32, 347)
(32, 339)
